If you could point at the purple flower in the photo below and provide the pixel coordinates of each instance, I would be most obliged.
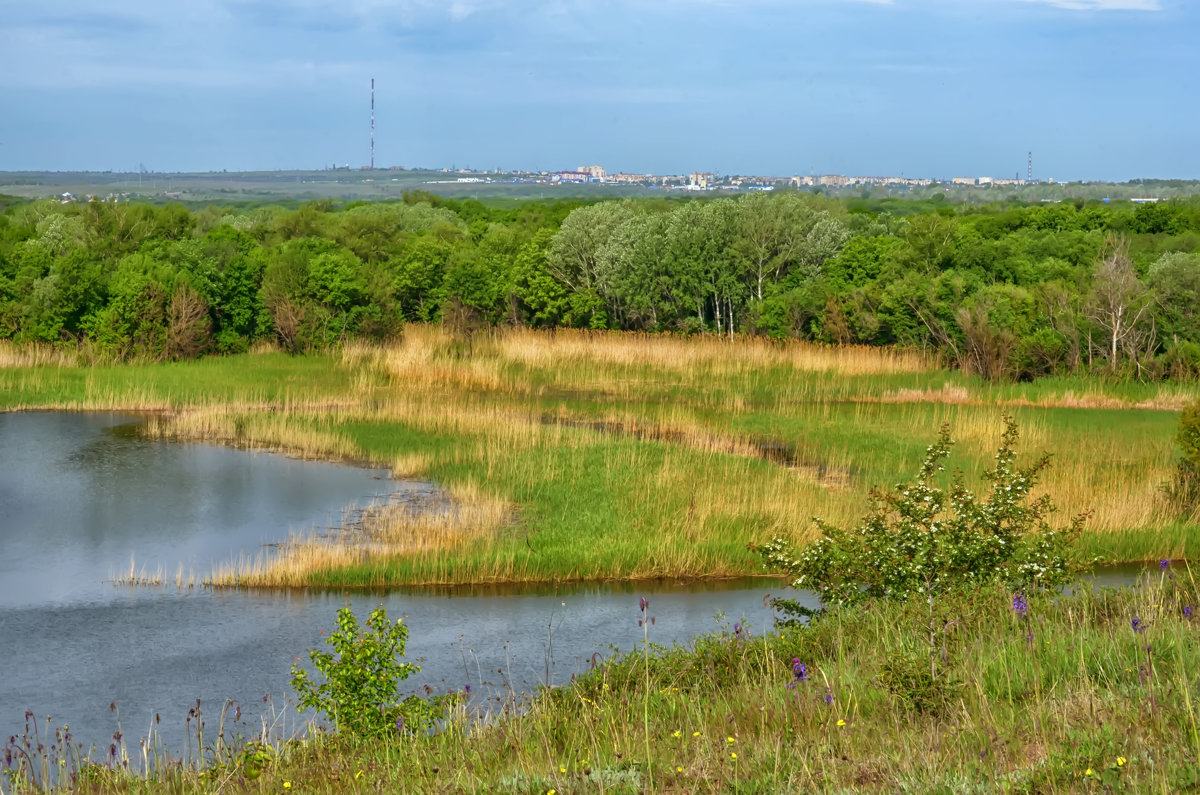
(400, 724)
(828, 697)
(799, 670)
(467, 689)
(1162, 564)
(1187, 611)
(1137, 625)
(643, 603)
(1020, 605)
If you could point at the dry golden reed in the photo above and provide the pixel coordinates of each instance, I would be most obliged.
(383, 531)
(36, 354)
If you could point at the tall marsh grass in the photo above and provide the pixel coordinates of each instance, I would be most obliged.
(628, 456)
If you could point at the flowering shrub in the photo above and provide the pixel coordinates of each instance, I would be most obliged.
(361, 679)
(919, 540)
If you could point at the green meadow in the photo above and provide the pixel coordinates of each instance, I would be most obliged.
(601, 455)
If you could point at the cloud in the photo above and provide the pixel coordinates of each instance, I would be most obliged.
(1104, 5)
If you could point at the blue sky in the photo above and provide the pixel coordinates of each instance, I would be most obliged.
(1097, 89)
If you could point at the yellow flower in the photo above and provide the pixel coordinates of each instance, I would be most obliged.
(841, 722)
(730, 740)
(695, 734)
(678, 768)
(677, 733)
(1121, 761)
(551, 792)
(287, 785)
(1087, 772)
(562, 770)
(733, 756)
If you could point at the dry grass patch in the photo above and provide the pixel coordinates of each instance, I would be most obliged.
(407, 524)
(36, 354)
(688, 355)
(285, 431)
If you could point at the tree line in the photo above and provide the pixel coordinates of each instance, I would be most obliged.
(1004, 290)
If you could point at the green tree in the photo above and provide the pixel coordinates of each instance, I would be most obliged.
(360, 694)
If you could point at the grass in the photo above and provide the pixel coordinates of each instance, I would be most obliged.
(1089, 692)
(583, 455)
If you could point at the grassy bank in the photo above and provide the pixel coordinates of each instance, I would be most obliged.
(591, 456)
(1091, 692)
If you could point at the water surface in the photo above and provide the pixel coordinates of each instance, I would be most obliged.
(80, 494)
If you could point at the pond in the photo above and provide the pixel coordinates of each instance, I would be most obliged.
(83, 494)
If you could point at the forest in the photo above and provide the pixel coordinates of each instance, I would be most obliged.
(1006, 291)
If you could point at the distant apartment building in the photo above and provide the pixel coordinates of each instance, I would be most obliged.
(833, 180)
(596, 172)
(700, 180)
(630, 178)
(572, 176)
(984, 182)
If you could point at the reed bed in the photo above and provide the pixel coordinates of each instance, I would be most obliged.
(36, 354)
(295, 431)
(396, 528)
(629, 456)
(689, 355)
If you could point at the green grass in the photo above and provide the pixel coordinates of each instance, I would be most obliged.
(1068, 698)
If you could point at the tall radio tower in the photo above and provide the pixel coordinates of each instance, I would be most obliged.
(1028, 173)
(372, 124)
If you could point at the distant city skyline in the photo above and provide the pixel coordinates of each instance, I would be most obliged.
(1096, 89)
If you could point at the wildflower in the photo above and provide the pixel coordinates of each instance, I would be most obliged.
(1088, 772)
(733, 755)
(1187, 611)
(1121, 761)
(467, 689)
(551, 792)
(730, 740)
(358, 775)
(1020, 606)
(643, 603)
(1137, 625)
(799, 670)
(400, 725)
(841, 722)
(287, 785)
(828, 697)
(1162, 565)
(695, 734)
(677, 733)
(562, 770)
(678, 768)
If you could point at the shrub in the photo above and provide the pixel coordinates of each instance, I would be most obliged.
(919, 540)
(1183, 492)
(362, 676)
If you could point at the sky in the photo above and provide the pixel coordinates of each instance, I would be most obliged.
(1095, 89)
